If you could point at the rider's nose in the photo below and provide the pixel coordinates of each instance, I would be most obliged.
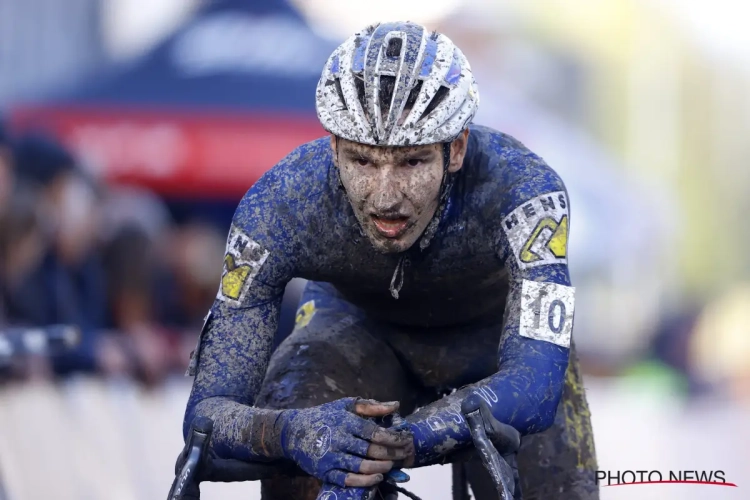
(388, 196)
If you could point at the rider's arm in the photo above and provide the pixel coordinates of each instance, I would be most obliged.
(334, 442)
(533, 352)
(235, 344)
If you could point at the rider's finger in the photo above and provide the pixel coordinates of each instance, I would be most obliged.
(349, 463)
(335, 476)
(391, 438)
(362, 480)
(379, 452)
(407, 462)
(375, 466)
(361, 427)
(355, 446)
(371, 408)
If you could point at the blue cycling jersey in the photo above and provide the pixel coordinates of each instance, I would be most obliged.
(501, 244)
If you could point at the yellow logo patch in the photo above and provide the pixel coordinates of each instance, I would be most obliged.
(234, 279)
(537, 230)
(305, 314)
(242, 262)
(557, 243)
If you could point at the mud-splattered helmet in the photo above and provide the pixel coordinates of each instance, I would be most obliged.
(397, 84)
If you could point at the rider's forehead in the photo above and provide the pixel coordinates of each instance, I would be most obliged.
(384, 151)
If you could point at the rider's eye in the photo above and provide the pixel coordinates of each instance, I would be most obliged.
(362, 162)
(414, 162)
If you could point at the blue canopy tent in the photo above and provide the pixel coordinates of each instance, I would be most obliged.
(238, 55)
(204, 113)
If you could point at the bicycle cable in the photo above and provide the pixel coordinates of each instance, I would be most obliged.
(407, 493)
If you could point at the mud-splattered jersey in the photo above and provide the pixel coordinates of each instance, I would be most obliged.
(501, 245)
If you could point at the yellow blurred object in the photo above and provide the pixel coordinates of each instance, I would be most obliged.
(305, 314)
(720, 348)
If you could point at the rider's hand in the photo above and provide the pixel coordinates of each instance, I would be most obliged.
(334, 443)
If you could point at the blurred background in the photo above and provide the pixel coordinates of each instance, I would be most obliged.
(130, 131)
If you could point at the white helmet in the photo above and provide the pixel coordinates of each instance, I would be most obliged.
(397, 84)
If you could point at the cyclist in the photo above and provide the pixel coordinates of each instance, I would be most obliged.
(437, 257)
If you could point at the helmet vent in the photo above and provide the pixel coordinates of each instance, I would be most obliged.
(440, 95)
(340, 92)
(411, 101)
(394, 47)
(387, 83)
(359, 83)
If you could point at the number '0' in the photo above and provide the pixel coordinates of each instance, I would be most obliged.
(551, 316)
(551, 313)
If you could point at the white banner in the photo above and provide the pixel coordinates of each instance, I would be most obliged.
(115, 441)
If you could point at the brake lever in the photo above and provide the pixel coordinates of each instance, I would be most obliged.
(475, 409)
(185, 485)
(505, 438)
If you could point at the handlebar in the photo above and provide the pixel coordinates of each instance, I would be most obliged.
(44, 341)
(197, 466)
(194, 465)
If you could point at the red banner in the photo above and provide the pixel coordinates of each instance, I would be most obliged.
(174, 153)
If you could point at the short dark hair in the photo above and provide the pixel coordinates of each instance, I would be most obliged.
(20, 220)
(4, 137)
(40, 159)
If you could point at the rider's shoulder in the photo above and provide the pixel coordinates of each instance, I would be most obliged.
(507, 163)
(300, 174)
(494, 141)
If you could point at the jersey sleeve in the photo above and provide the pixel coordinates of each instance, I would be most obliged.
(234, 347)
(538, 321)
(531, 241)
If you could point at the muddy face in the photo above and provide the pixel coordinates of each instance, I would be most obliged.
(394, 190)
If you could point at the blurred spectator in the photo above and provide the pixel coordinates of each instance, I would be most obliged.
(114, 264)
(67, 285)
(133, 207)
(6, 169)
(6, 188)
(67, 198)
(671, 344)
(141, 345)
(22, 248)
(22, 251)
(194, 253)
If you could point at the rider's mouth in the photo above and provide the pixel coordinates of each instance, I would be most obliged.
(391, 227)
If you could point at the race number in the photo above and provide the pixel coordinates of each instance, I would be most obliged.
(547, 312)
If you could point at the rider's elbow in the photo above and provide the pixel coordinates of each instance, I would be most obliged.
(540, 410)
(544, 419)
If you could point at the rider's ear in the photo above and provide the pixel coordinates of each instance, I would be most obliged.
(458, 151)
